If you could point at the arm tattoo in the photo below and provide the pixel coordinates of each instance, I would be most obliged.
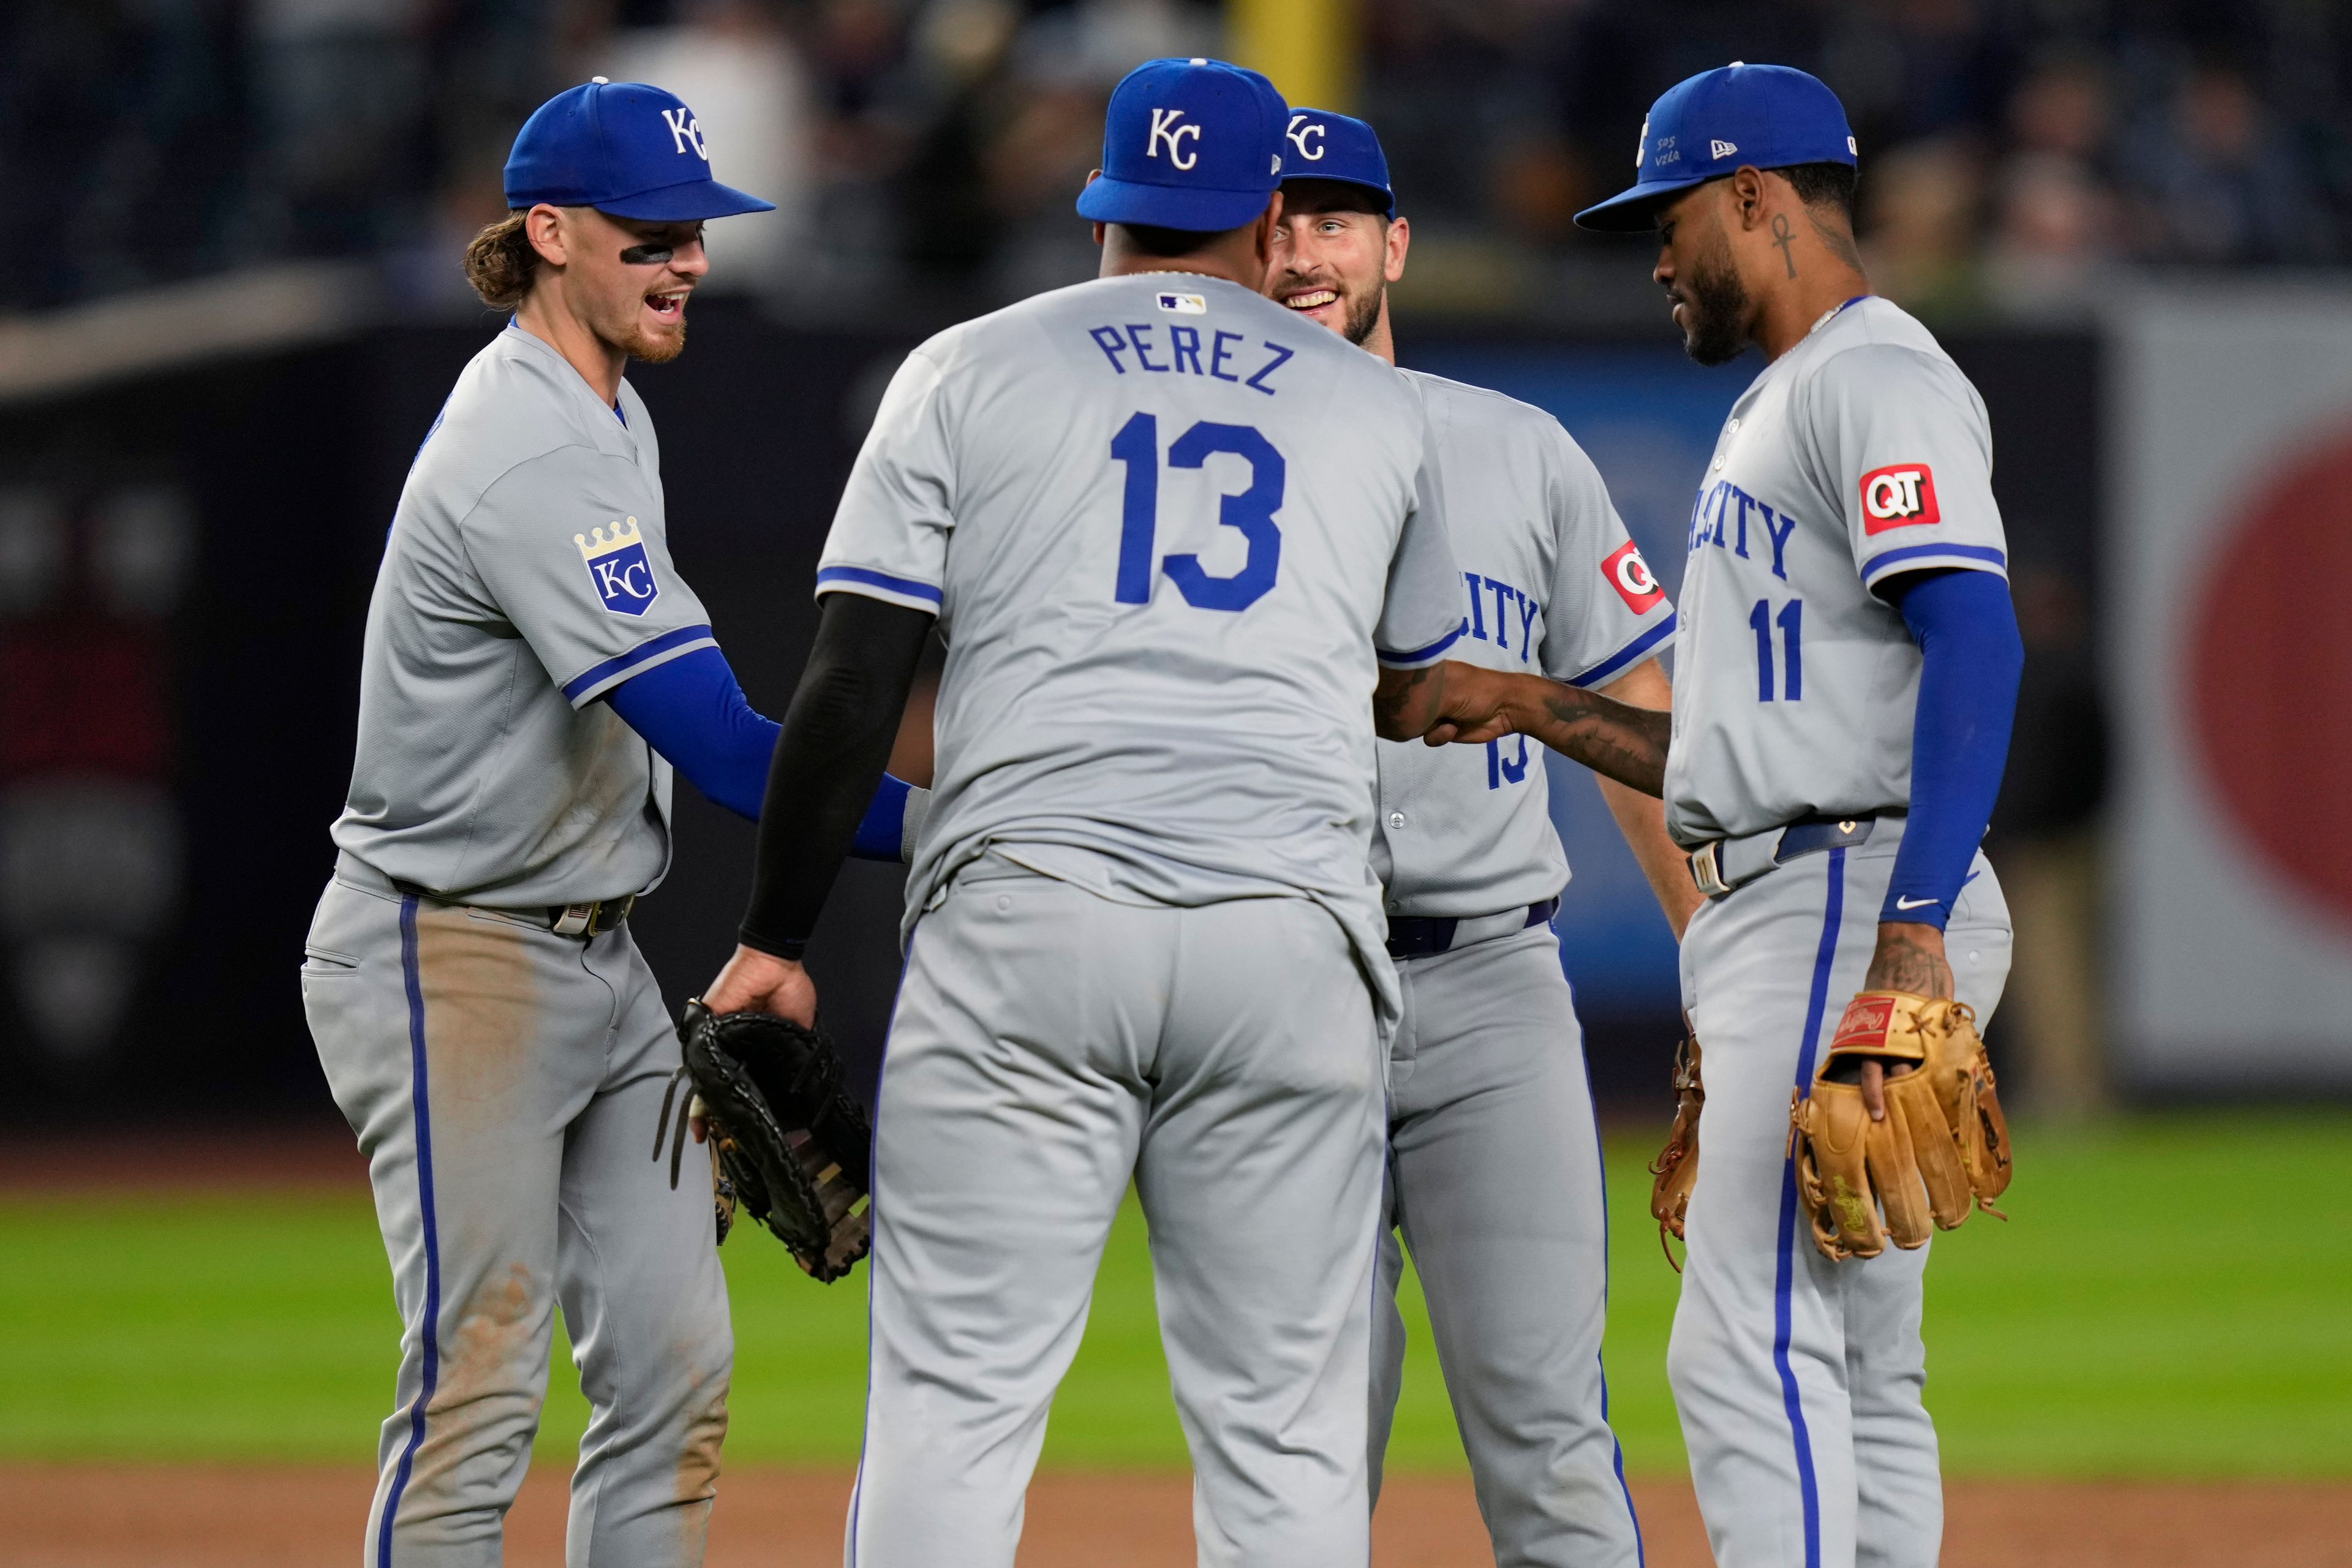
(1395, 699)
(1612, 738)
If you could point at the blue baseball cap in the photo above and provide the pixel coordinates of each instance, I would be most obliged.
(1321, 145)
(623, 148)
(1192, 144)
(1767, 117)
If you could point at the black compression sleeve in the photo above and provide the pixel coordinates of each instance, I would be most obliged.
(836, 739)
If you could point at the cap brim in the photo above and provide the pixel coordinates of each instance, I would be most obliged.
(1633, 211)
(1170, 206)
(690, 203)
(1386, 195)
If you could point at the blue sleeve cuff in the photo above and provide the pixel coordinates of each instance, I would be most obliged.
(1652, 639)
(1421, 658)
(597, 680)
(893, 590)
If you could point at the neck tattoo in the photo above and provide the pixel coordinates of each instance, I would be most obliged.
(1782, 235)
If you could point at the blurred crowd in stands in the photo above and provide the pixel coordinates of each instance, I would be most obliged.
(924, 152)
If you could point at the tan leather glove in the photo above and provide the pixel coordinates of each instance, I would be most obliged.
(1676, 1166)
(1943, 1147)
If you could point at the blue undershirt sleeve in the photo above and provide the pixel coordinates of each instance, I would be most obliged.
(1966, 633)
(692, 711)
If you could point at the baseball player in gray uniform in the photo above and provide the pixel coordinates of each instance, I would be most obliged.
(533, 667)
(1164, 526)
(1847, 668)
(1494, 1170)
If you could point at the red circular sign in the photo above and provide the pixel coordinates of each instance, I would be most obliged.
(2270, 671)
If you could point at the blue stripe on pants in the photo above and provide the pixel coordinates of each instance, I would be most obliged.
(1783, 1277)
(430, 1329)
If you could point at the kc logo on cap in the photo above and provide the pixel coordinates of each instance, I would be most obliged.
(620, 147)
(1193, 144)
(1164, 128)
(1338, 148)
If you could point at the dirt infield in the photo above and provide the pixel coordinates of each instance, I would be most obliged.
(125, 1516)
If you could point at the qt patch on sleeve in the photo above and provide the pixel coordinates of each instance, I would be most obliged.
(1901, 495)
(1630, 575)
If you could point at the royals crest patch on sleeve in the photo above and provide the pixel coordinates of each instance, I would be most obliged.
(618, 565)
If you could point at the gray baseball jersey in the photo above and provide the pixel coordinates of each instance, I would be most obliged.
(527, 574)
(1860, 454)
(1163, 522)
(1555, 586)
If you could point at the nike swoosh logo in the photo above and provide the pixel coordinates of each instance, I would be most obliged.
(1915, 903)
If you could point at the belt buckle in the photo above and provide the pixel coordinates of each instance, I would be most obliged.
(577, 920)
(1707, 871)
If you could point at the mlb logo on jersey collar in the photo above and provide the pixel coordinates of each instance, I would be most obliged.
(619, 567)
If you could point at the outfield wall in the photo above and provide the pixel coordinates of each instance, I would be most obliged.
(184, 566)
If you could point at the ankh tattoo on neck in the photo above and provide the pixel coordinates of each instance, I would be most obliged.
(1782, 235)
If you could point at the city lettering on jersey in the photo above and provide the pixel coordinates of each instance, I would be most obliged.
(1189, 351)
(1509, 607)
(1721, 517)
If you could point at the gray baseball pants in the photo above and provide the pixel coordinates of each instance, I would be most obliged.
(1049, 1045)
(1496, 1183)
(504, 1083)
(1797, 1380)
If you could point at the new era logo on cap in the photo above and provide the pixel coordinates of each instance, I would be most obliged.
(1771, 117)
(1192, 144)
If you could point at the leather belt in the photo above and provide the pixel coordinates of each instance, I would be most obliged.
(1420, 936)
(1723, 865)
(585, 920)
(592, 919)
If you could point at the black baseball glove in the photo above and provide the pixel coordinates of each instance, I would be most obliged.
(786, 1135)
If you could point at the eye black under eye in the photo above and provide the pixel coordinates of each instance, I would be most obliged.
(646, 255)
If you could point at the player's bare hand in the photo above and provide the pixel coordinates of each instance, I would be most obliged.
(1909, 957)
(756, 982)
(1476, 706)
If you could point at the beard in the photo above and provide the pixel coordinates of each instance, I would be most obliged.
(1363, 314)
(1716, 307)
(645, 347)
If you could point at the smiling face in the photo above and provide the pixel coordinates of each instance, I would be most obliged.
(1701, 276)
(625, 280)
(1334, 255)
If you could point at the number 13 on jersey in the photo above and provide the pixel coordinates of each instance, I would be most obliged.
(1251, 512)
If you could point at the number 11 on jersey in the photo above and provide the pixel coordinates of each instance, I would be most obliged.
(1791, 622)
